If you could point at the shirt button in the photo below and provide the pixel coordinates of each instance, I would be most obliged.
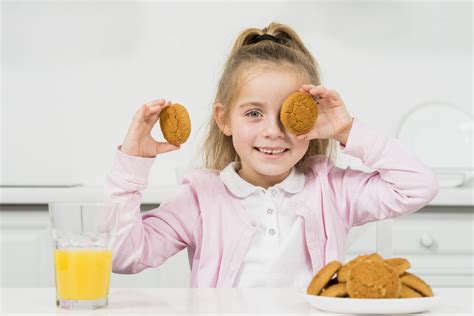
(269, 211)
(272, 231)
(274, 192)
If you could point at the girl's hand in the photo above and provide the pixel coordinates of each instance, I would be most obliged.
(334, 121)
(139, 141)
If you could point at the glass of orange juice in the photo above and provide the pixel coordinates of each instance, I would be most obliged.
(83, 236)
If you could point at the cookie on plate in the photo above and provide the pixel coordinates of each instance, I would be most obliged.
(416, 283)
(373, 278)
(408, 292)
(298, 112)
(343, 274)
(322, 278)
(400, 265)
(335, 290)
(175, 124)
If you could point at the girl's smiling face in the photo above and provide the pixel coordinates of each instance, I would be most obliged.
(266, 149)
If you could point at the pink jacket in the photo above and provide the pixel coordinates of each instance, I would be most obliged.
(204, 217)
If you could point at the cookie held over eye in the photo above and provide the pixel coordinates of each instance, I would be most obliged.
(298, 113)
(175, 124)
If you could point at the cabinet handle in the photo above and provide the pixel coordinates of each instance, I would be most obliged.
(426, 241)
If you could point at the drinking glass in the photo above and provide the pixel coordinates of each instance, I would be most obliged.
(83, 235)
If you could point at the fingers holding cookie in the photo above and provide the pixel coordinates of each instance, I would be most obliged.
(150, 111)
(333, 118)
(139, 141)
(315, 91)
(322, 95)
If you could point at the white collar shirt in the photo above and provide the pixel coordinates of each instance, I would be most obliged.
(277, 255)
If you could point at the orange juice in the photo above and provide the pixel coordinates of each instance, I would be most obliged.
(82, 274)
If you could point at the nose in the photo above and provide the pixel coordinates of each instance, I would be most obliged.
(273, 128)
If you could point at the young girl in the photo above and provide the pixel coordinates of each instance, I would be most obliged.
(270, 209)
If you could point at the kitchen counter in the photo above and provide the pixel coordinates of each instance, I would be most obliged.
(128, 301)
(460, 196)
(44, 195)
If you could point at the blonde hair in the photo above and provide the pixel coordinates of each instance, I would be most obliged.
(218, 149)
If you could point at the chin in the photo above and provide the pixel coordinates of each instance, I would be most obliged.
(273, 170)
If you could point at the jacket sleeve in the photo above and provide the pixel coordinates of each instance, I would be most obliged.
(147, 240)
(400, 183)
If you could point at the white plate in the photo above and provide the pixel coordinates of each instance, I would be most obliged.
(371, 306)
(441, 136)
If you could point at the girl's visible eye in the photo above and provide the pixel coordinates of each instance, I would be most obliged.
(253, 114)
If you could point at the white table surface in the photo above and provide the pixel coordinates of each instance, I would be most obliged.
(133, 301)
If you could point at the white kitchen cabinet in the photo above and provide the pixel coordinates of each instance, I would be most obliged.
(438, 241)
(27, 254)
(23, 243)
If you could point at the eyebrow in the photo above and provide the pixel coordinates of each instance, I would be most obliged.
(254, 103)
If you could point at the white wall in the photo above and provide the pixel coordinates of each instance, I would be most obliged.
(73, 74)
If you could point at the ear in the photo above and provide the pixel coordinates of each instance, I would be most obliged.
(220, 119)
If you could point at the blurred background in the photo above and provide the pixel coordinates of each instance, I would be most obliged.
(74, 74)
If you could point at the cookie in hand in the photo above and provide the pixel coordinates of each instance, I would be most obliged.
(175, 124)
(298, 113)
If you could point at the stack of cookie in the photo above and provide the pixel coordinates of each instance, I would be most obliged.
(369, 276)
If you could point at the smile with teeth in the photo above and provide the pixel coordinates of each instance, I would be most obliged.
(271, 151)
